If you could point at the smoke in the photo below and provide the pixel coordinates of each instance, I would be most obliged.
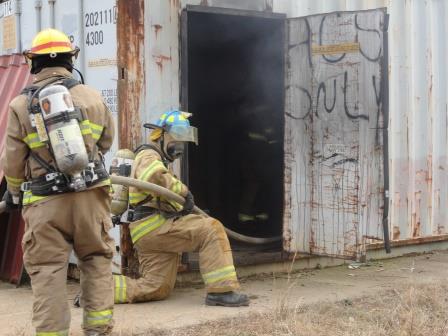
(236, 86)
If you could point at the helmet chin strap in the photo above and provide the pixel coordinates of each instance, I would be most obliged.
(162, 145)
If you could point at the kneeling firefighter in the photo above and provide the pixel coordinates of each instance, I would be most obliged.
(58, 129)
(161, 229)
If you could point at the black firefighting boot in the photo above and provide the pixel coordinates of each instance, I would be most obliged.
(227, 299)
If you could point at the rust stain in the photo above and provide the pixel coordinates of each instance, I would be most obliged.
(396, 233)
(175, 3)
(157, 28)
(410, 241)
(131, 83)
(160, 59)
(416, 215)
(131, 87)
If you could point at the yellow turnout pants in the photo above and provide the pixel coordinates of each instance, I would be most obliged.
(53, 227)
(158, 254)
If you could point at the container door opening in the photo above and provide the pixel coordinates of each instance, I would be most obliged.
(235, 90)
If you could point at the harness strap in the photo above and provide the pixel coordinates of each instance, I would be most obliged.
(56, 182)
(42, 162)
(31, 91)
(65, 116)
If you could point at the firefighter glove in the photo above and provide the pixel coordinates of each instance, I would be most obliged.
(12, 202)
(189, 204)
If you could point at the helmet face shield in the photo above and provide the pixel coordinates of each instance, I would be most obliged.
(183, 133)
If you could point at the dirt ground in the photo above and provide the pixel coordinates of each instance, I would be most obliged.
(282, 302)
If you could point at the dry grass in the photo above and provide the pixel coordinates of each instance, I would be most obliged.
(411, 311)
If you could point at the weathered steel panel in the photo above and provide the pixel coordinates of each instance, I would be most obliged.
(131, 71)
(418, 139)
(334, 125)
(298, 8)
(14, 76)
(162, 61)
(418, 119)
(89, 24)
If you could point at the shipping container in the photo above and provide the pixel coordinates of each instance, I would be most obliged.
(91, 25)
(361, 161)
(323, 122)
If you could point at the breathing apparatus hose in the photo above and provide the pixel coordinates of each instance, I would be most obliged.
(160, 191)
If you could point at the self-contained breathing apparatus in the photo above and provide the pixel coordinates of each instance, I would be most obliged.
(121, 165)
(57, 123)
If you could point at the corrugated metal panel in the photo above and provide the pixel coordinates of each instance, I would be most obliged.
(417, 47)
(14, 76)
(418, 111)
(162, 88)
(298, 8)
(11, 263)
(418, 131)
(418, 118)
(91, 25)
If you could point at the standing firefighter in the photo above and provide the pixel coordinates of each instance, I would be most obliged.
(58, 130)
(162, 229)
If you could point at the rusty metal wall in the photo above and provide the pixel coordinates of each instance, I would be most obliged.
(417, 116)
(91, 25)
(131, 71)
(418, 139)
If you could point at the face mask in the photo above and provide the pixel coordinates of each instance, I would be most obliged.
(175, 150)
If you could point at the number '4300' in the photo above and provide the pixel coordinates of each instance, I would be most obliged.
(94, 38)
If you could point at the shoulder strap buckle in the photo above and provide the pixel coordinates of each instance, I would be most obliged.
(25, 186)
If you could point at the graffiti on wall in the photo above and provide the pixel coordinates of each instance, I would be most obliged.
(334, 130)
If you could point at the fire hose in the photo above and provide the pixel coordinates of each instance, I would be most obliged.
(160, 191)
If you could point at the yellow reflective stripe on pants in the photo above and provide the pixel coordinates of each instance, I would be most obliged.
(14, 182)
(96, 318)
(153, 167)
(120, 289)
(52, 333)
(32, 140)
(146, 227)
(97, 130)
(135, 198)
(29, 198)
(220, 274)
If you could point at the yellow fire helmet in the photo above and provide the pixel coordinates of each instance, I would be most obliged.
(51, 42)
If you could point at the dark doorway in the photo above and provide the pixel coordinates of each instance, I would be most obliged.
(233, 83)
